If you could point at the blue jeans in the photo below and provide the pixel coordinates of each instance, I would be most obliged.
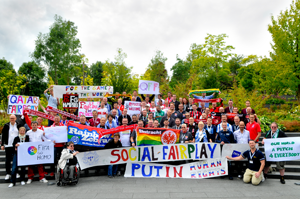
(112, 170)
(14, 171)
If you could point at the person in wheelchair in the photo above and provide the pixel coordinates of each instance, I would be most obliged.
(68, 160)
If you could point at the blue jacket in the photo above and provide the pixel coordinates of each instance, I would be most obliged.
(114, 124)
(226, 137)
(213, 131)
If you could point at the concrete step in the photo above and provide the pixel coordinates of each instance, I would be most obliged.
(287, 175)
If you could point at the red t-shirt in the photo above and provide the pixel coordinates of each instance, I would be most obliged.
(253, 129)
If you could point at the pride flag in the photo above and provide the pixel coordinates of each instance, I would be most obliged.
(159, 136)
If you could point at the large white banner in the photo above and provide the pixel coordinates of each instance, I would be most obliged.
(148, 87)
(235, 150)
(86, 108)
(197, 170)
(59, 134)
(17, 103)
(133, 107)
(83, 91)
(282, 149)
(31, 153)
(156, 153)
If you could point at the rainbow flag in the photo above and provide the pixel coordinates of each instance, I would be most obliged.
(159, 136)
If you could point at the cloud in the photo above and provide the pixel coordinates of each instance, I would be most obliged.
(139, 27)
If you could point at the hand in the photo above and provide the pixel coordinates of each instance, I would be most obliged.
(222, 142)
(51, 86)
(257, 174)
(2, 148)
(228, 157)
(54, 141)
(133, 144)
(263, 142)
(17, 145)
(214, 94)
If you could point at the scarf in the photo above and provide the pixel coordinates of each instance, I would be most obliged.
(204, 91)
(275, 135)
(22, 137)
(200, 135)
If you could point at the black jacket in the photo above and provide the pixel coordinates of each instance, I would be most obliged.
(5, 132)
(281, 134)
(171, 121)
(121, 119)
(111, 144)
(17, 140)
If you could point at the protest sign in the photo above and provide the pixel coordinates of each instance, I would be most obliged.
(197, 170)
(70, 101)
(58, 134)
(82, 91)
(86, 108)
(31, 153)
(40, 114)
(282, 149)
(159, 136)
(17, 103)
(133, 107)
(156, 153)
(148, 87)
(235, 150)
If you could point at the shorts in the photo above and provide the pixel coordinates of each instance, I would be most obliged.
(279, 165)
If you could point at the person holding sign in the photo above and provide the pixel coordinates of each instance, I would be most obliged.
(115, 143)
(274, 133)
(19, 139)
(36, 135)
(256, 160)
(9, 132)
(202, 134)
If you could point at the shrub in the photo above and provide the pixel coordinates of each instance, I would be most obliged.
(291, 126)
(275, 101)
(266, 122)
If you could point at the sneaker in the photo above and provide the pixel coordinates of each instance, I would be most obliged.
(297, 183)
(10, 185)
(17, 176)
(7, 177)
(110, 176)
(51, 174)
(240, 177)
(44, 180)
(263, 178)
(23, 183)
(282, 180)
(29, 181)
(119, 173)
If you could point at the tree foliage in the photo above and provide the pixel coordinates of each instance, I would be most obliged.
(96, 72)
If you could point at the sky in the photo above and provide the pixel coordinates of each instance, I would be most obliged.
(139, 27)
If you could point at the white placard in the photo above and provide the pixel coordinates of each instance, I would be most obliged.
(282, 149)
(133, 107)
(86, 108)
(148, 87)
(17, 103)
(31, 153)
(235, 150)
(59, 134)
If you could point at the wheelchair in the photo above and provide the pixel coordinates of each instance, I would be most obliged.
(62, 181)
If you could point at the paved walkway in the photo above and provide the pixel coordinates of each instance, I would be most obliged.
(120, 187)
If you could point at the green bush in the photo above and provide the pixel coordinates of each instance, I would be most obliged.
(266, 122)
(275, 101)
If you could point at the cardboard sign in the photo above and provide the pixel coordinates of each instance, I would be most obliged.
(133, 107)
(235, 150)
(197, 170)
(17, 103)
(148, 87)
(31, 153)
(70, 101)
(282, 149)
(58, 134)
(82, 91)
(156, 153)
(86, 108)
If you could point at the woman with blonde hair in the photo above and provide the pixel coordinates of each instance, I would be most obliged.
(202, 134)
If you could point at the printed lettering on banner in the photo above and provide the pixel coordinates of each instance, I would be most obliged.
(86, 108)
(156, 153)
(197, 170)
(282, 149)
(133, 107)
(82, 91)
(17, 104)
(235, 150)
(70, 101)
(148, 87)
(58, 134)
(31, 153)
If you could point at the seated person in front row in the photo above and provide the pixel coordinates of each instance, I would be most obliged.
(68, 160)
(256, 160)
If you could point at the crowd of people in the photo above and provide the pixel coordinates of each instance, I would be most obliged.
(197, 122)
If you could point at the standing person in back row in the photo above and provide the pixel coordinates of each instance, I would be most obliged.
(52, 101)
(256, 160)
(9, 132)
(204, 97)
(274, 133)
(254, 128)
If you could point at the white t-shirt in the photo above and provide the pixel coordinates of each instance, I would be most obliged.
(36, 136)
(13, 132)
(153, 110)
(102, 112)
(125, 138)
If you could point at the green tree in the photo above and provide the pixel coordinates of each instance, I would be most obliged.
(5, 65)
(96, 71)
(235, 64)
(180, 72)
(117, 74)
(157, 69)
(58, 49)
(285, 34)
(35, 84)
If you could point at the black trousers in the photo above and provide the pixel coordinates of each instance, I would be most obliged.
(9, 154)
